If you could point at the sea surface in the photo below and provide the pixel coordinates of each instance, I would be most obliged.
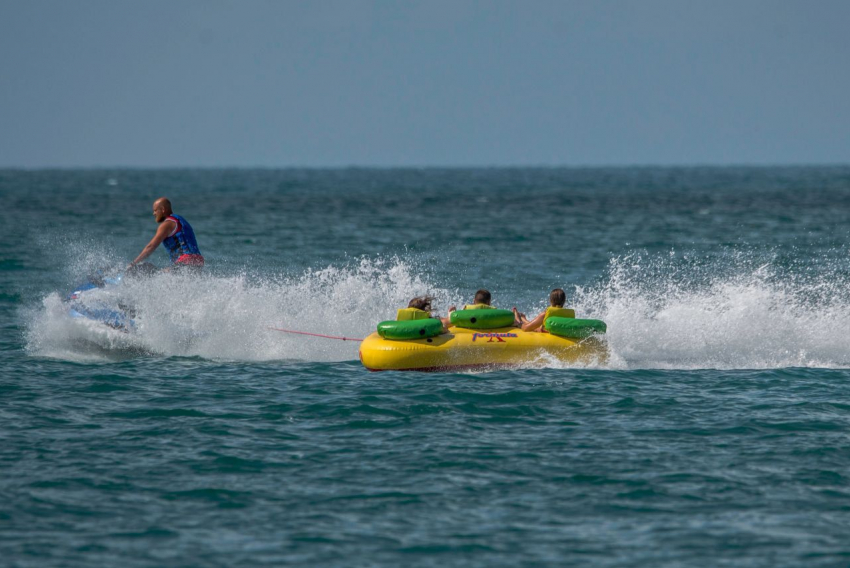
(717, 434)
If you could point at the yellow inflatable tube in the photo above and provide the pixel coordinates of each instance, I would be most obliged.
(459, 349)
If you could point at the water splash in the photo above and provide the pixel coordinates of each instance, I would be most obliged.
(731, 312)
(734, 311)
(230, 318)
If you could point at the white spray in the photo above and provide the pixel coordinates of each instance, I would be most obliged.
(663, 312)
(674, 313)
(229, 318)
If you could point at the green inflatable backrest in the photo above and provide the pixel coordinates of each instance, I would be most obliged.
(410, 329)
(482, 319)
(574, 328)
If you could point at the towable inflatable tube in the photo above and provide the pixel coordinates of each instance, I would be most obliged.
(469, 349)
(410, 329)
(574, 328)
(482, 319)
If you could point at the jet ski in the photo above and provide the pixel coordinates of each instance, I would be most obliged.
(95, 300)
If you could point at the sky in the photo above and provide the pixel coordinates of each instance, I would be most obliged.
(337, 83)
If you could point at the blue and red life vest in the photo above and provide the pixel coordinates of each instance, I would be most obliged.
(181, 243)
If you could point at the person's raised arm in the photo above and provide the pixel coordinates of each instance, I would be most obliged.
(447, 321)
(161, 234)
(532, 325)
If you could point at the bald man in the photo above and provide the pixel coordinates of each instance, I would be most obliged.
(175, 234)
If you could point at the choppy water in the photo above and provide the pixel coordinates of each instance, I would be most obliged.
(716, 435)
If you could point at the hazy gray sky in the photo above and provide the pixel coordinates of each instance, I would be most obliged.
(394, 83)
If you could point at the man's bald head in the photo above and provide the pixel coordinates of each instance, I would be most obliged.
(161, 209)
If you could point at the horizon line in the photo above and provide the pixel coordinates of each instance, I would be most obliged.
(694, 165)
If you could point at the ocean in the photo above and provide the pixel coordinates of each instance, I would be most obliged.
(716, 433)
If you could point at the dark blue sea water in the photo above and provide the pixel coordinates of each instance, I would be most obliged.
(717, 434)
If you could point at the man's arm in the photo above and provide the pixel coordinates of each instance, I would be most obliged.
(161, 234)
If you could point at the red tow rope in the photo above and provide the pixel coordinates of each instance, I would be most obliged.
(316, 334)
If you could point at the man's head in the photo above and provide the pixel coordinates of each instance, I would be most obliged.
(161, 209)
(557, 298)
(482, 297)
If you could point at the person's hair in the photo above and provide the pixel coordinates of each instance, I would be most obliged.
(482, 297)
(421, 303)
(557, 298)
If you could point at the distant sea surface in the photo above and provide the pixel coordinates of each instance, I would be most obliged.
(717, 434)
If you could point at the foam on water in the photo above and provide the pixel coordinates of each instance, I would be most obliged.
(729, 313)
(230, 318)
(675, 312)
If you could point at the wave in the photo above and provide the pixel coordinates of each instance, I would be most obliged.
(730, 312)
(230, 318)
(667, 312)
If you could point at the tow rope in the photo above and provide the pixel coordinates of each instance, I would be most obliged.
(316, 334)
